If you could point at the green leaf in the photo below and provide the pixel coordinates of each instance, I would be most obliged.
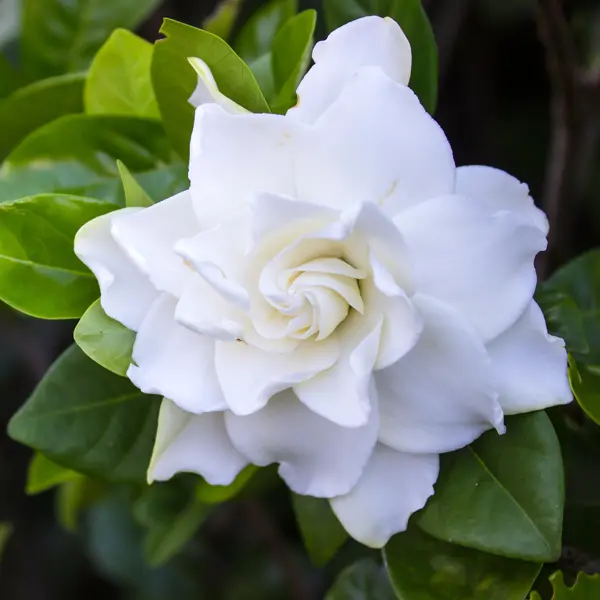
(578, 284)
(174, 79)
(6, 530)
(39, 272)
(411, 16)
(61, 36)
(585, 383)
(90, 420)
(215, 494)
(78, 153)
(119, 81)
(37, 104)
(422, 568)
(223, 18)
(45, 474)
(290, 58)
(135, 195)
(256, 37)
(9, 78)
(503, 494)
(105, 340)
(586, 587)
(74, 497)
(364, 580)
(321, 531)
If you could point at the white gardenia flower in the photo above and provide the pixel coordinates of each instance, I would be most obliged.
(331, 294)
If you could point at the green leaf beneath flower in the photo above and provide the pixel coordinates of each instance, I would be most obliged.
(90, 420)
(174, 79)
(411, 16)
(215, 494)
(135, 194)
(503, 494)
(585, 383)
(119, 81)
(39, 272)
(422, 568)
(321, 531)
(364, 580)
(105, 340)
(44, 474)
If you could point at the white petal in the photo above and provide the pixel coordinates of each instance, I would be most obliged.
(440, 396)
(500, 190)
(377, 144)
(474, 258)
(370, 41)
(250, 376)
(193, 444)
(392, 487)
(344, 394)
(126, 293)
(207, 90)
(530, 365)
(148, 237)
(317, 458)
(172, 361)
(235, 157)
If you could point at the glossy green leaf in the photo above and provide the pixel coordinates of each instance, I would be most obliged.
(503, 494)
(223, 18)
(45, 474)
(73, 497)
(37, 104)
(105, 340)
(175, 80)
(422, 568)
(61, 36)
(90, 420)
(39, 272)
(5, 532)
(77, 154)
(256, 37)
(321, 531)
(215, 494)
(291, 52)
(578, 284)
(411, 16)
(585, 383)
(119, 81)
(364, 580)
(586, 587)
(135, 194)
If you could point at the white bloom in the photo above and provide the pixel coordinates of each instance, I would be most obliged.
(332, 294)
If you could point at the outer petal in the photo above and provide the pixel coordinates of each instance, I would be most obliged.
(249, 376)
(370, 41)
(175, 362)
(234, 157)
(193, 444)
(148, 237)
(440, 396)
(376, 143)
(207, 90)
(392, 487)
(317, 458)
(474, 258)
(500, 190)
(126, 293)
(530, 365)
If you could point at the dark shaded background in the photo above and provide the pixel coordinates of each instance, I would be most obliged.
(495, 108)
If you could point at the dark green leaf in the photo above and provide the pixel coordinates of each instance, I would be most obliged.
(215, 494)
(78, 153)
(119, 81)
(37, 104)
(9, 79)
(585, 383)
(90, 420)
(45, 474)
(503, 494)
(422, 568)
(175, 80)
(61, 36)
(39, 272)
(105, 340)
(290, 58)
(5, 531)
(135, 195)
(411, 16)
(321, 531)
(223, 18)
(364, 580)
